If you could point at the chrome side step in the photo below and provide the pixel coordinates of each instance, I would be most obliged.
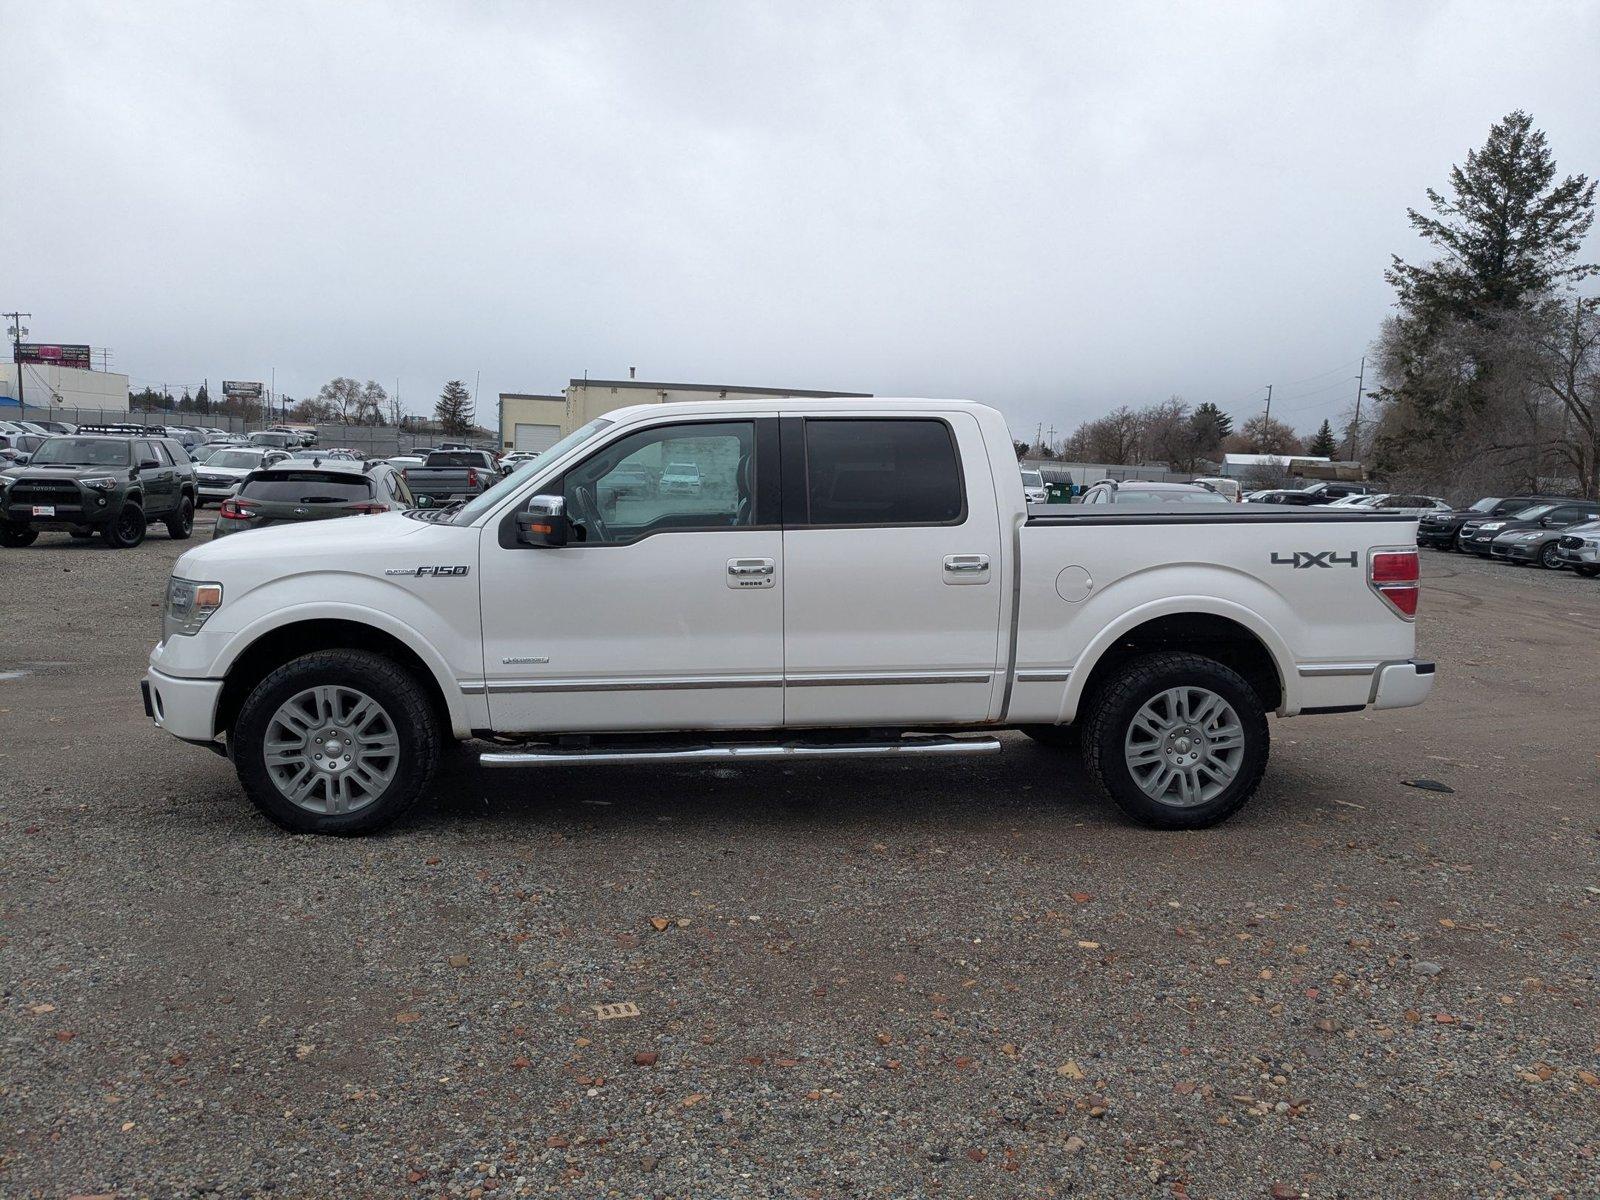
(741, 752)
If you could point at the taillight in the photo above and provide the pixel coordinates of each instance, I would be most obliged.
(367, 509)
(232, 510)
(472, 476)
(1394, 575)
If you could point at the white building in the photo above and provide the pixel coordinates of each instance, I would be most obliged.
(47, 389)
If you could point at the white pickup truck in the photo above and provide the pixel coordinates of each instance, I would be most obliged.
(851, 578)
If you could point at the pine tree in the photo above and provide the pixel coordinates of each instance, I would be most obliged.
(454, 409)
(1507, 235)
(1323, 444)
(202, 399)
(1211, 426)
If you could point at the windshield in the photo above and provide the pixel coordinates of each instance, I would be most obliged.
(270, 439)
(310, 487)
(1527, 514)
(242, 459)
(485, 501)
(1485, 505)
(83, 452)
(1032, 479)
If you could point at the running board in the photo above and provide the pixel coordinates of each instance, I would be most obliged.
(742, 752)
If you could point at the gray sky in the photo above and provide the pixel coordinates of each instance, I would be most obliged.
(1053, 208)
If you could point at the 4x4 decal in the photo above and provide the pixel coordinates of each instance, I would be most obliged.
(1301, 559)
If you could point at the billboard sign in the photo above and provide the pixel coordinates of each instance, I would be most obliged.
(235, 389)
(76, 357)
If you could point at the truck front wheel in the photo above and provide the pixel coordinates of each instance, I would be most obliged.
(14, 536)
(337, 741)
(1177, 740)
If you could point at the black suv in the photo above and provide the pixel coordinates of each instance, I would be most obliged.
(1443, 531)
(115, 484)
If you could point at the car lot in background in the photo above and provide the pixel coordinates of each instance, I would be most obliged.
(289, 492)
(1144, 491)
(1293, 496)
(1442, 530)
(1541, 545)
(1221, 484)
(1477, 536)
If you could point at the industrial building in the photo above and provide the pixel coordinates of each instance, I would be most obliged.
(536, 422)
(48, 388)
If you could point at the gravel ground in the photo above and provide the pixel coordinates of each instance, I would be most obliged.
(954, 979)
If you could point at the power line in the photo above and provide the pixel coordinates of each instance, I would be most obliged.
(1320, 374)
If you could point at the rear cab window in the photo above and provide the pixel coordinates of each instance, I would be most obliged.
(882, 471)
(309, 487)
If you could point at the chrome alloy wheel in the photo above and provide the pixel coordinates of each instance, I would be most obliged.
(1184, 746)
(331, 749)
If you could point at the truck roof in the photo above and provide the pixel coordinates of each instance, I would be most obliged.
(809, 404)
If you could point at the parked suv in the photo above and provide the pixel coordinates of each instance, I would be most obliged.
(113, 485)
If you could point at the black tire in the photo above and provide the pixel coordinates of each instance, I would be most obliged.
(181, 523)
(1056, 737)
(1548, 559)
(1119, 700)
(125, 530)
(396, 690)
(15, 537)
(1587, 572)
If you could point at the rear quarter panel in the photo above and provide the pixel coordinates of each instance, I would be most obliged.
(1300, 585)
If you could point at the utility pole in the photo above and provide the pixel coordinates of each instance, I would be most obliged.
(1355, 426)
(16, 357)
(1269, 402)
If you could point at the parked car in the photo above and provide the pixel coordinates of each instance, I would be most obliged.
(276, 439)
(220, 475)
(888, 594)
(332, 454)
(1442, 531)
(1223, 485)
(681, 479)
(57, 426)
(513, 459)
(1290, 496)
(290, 492)
(1033, 488)
(1540, 545)
(1399, 503)
(450, 475)
(18, 448)
(1579, 548)
(114, 485)
(1477, 537)
(1326, 491)
(1146, 491)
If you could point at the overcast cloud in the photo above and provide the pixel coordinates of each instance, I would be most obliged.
(1052, 208)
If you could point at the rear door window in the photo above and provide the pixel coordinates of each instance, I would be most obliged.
(309, 487)
(882, 472)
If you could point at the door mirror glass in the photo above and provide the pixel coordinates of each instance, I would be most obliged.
(424, 501)
(543, 524)
(149, 464)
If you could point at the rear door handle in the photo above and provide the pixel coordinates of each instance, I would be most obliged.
(966, 568)
(751, 573)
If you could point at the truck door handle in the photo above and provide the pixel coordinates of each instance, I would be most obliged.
(750, 573)
(966, 564)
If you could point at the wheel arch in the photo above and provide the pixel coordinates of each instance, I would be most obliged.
(1227, 633)
(273, 647)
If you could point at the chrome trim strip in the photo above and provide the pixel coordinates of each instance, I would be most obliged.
(1316, 670)
(1043, 676)
(863, 679)
(613, 684)
(740, 753)
(1016, 611)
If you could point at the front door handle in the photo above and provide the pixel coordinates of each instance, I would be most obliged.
(966, 568)
(751, 572)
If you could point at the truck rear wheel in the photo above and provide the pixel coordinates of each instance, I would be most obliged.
(337, 741)
(181, 523)
(1177, 740)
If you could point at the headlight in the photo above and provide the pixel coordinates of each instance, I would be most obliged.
(102, 483)
(188, 605)
(1491, 525)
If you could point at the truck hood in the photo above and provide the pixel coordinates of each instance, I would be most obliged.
(312, 545)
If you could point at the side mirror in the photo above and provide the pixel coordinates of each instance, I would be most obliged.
(424, 501)
(149, 464)
(543, 524)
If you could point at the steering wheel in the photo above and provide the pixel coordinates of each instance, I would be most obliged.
(589, 513)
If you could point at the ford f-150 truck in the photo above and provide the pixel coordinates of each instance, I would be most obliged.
(852, 578)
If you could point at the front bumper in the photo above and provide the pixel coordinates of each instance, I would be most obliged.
(1517, 551)
(1435, 537)
(185, 708)
(1403, 684)
(1587, 556)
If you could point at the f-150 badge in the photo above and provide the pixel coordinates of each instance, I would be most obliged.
(1301, 559)
(429, 572)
